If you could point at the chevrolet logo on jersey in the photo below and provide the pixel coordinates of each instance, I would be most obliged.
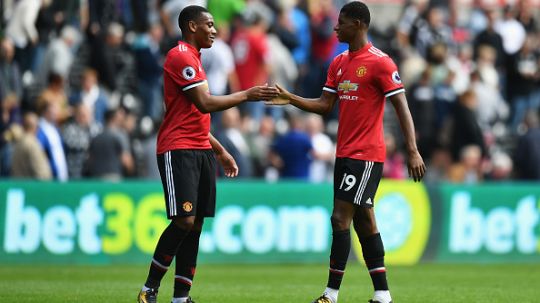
(347, 86)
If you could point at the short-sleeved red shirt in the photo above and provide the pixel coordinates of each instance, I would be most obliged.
(362, 79)
(250, 55)
(184, 126)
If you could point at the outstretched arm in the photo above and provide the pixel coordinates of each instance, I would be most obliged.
(207, 103)
(322, 105)
(415, 163)
(225, 159)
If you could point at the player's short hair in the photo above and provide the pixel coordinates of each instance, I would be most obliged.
(356, 10)
(189, 13)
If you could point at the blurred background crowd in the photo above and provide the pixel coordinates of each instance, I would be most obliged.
(81, 85)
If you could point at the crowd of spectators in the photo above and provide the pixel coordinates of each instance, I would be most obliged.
(81, 86)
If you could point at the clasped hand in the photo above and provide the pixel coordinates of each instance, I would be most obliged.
(283, 98)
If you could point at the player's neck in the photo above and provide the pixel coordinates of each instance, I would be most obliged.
(191, 42)
(358, 44)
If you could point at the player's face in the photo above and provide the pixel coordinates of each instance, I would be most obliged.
(206, 32)
(346, 29)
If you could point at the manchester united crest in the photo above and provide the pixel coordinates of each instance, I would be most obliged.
(187, 206)
(361, 71)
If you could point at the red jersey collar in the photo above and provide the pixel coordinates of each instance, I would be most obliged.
(361, 51)
(190, 47)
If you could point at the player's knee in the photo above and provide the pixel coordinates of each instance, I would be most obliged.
(185, 223)
(198, 225)
(365, 227)
(339, 222)
(365, 230)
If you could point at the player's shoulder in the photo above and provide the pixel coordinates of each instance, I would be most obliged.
(380, 59)
(342, 55)
(178, 56)
(180, 53)
(339, 59)
(378, 55)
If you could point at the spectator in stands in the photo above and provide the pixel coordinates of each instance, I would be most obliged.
(10, 95)
(21, 29)
(422, 102)
(169, 10)
(101, 13)
(406, 27)
(233, 140)
(284, 70)
(281, 26)
(469, 168)
(109, 154)
(461, 65)
(128, 130)
(489, 37)
(149, 129)
(252, 55)
(512, 32)
(486, 67)
(77, 135)
(51, 140)
(49, 19)
(323, 43)
(439, 165)
(55, 93)
(292, 152)
(433, 31)
(441, 76)
(465, 128)
(492, 108)
(523, 74)
(29, 158)
(527, 152)
(59, 55)
(92, 95)
(68, 12)
(501, 167)
(299, 22)
(477, 19)
(526, 16)
(218, 63)
(394, 166)
(320, 169)
(260, 142)
(149, 71)
(10, 76)
(110, 58)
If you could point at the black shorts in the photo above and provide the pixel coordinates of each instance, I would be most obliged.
(189, 182)
(356, 181)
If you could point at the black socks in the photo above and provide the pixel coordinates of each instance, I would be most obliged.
(373, 250)
(168, 243)
(341, 246)
(186, 262)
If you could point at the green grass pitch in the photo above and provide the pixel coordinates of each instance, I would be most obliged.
(274, 283)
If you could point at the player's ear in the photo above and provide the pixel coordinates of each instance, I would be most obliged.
(358, 24)
(362, 25)
(192, 26)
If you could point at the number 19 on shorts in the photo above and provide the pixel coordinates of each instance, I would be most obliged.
(348, 182)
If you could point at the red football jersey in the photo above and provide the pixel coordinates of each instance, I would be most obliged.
(250, 55)
(184, 126)
(362, 79)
